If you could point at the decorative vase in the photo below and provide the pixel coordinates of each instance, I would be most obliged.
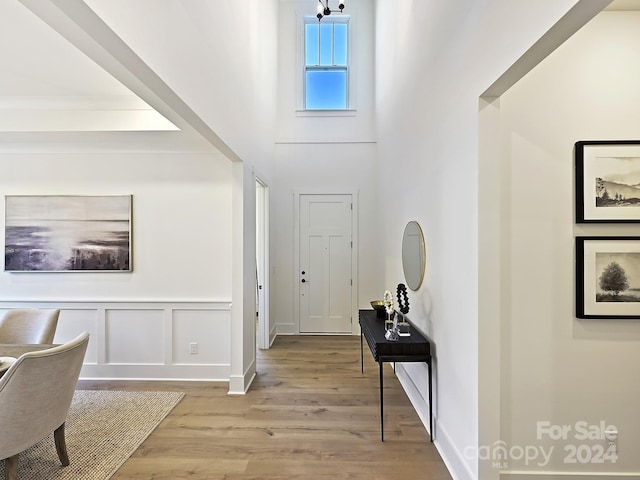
(388, 323)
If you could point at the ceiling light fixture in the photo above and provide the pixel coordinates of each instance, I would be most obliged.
(324, 9)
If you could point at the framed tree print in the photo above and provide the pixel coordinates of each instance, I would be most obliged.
(607, 181)
(608, 277)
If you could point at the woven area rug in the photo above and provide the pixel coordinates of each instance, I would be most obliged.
(102, 430)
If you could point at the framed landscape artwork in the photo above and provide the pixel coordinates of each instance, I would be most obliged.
(608, 277)
(67, 233)
(608, 181)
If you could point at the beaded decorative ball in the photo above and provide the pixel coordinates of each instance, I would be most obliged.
(403, 298)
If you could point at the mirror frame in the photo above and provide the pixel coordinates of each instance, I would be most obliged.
(422, 253)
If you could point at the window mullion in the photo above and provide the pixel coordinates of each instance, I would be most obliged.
(333, 45)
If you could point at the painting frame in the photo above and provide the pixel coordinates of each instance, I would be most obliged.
(68, 233)
(595, 256)
(602, 165)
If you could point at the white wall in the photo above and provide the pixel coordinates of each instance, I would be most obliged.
(220, 57)
(323, 153)
(181, 222)
(297, 126)
(180, 288)
(243, 333)
(328, 168)
(433, 61)
(558, 368)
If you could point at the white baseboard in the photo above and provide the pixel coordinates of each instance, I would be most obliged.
(455, 462)
(285, 329)
(525, 475)
(240, 384)
(211, 373)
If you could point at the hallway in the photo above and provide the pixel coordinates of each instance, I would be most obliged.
(310, 414)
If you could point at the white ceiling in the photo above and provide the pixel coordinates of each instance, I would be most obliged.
(624, 5)
(36, 60)
(44, 75)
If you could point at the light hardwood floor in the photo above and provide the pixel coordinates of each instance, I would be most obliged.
(310, 414)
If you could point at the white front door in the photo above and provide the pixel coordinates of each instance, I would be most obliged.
(325, 277)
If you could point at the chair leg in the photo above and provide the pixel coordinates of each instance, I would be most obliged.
(61, 445)
(11, 467)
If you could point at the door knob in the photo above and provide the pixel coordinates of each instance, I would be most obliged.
(303, 280)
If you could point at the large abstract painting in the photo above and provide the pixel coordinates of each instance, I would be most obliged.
(608, 181)
(64, 233)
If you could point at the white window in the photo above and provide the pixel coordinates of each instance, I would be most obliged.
(326, 63)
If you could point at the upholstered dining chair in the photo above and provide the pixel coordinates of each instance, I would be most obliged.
(29, 325)
(35, 396)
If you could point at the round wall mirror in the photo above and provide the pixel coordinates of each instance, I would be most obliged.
(413, 255)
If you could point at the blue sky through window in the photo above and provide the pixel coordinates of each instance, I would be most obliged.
(326, 89)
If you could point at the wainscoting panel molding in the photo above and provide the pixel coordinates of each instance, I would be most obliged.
(168, 340)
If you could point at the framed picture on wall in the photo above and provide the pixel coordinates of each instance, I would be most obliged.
(608, 277)
(67, 233)
(607, 181)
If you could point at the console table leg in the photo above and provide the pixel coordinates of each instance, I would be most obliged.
(361, 355)
(381, 403)
(430, 403)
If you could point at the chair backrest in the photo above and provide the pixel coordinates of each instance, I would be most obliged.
(36, 393)
(29, 325)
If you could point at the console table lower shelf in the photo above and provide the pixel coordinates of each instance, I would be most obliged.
(414, 348)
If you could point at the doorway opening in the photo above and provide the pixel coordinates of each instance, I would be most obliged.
(263, 330)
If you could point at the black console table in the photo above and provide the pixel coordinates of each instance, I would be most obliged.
(414, 348)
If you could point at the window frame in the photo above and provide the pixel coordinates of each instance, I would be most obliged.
(349, 110)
